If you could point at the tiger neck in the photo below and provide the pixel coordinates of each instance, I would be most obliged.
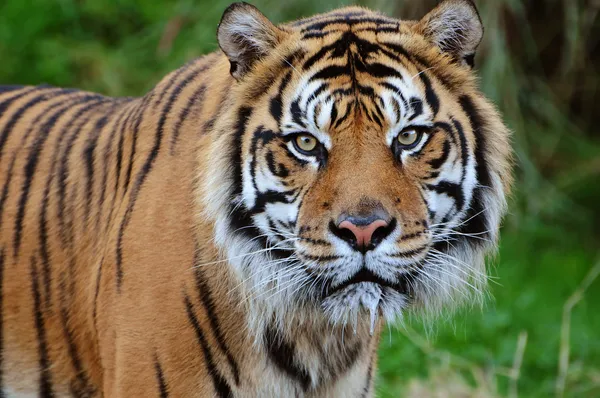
(302, 355)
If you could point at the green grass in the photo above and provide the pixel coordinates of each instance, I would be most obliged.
(536, 63)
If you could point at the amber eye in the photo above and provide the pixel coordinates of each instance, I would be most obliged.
(306, 144)
(408, 138)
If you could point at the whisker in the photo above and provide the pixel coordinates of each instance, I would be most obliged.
(268, 249)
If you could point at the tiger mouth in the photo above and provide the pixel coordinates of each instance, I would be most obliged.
(402, 285)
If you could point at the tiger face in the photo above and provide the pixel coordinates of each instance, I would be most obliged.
(369, 173)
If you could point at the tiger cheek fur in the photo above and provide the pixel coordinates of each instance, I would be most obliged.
(247, 227)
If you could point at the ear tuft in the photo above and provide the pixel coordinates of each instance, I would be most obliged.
(245, 35)
(455, 27)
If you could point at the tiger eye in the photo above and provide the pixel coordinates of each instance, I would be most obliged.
(306, 143)
(408, 137)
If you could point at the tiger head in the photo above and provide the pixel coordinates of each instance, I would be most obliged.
(358, 170)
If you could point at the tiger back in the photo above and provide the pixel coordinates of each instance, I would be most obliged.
(248, 226)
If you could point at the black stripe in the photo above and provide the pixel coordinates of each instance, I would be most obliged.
(464, 149)
(410, 236)
(7, 102)
(470, 60)
(29, 173)
(349, 109)
(264, 136)
(120, 151)
(45, 382)
(477, 124)
(297, 113)
(240, 219)
(381, 29)
(283, 353)
(397, 109)
(377, 116)
(398, 93)
(8, 88)
(452, 190)
(316, 242)
(410, 253)
(221, 108)
(1, 323)
(476, 213)
(170, 83)
(119, 164)
(6, 186)
(80, 386)
(349, 21)
(8, 128)
(279, 169)
(275, 106)
(394, 50)
(417, 108)
(9, 175)
(380, 70)
(145, 171)
(106, 166)
(367, 388)
(197, 97)
(331, 72)
(220, 384)
(328, 16)
(338, 46)
(270, 196)
(437, 163)
(330, 257)
(63, 171)
(88, 157)
(97, 294)
(333, 115)
(379, 112)
(209, 305)
(430, 95)
(163, 389)
(139, 116)
(313, 97)
(318, 35)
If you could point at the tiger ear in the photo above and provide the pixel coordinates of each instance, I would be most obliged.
(245, 35)
(455, 27)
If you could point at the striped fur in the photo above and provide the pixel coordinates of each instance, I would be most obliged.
(179, 244)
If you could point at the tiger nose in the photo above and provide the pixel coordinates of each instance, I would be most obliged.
(363, 233)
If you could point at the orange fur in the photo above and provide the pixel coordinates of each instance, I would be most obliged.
(109, 206)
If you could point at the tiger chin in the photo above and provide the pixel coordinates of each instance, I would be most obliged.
(248, 226)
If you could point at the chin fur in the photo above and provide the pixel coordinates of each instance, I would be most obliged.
(364, 301)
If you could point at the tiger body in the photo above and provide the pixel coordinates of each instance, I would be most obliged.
(147, 244)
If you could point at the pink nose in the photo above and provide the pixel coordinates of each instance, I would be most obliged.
(363, 233)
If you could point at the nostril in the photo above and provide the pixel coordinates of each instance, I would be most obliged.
(343, 233)
(363, 236)
(382, 232)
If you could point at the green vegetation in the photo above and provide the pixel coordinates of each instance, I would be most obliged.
(539, 62)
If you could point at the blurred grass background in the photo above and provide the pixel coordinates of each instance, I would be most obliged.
(540, 61)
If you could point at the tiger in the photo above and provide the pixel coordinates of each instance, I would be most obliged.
(249, 226)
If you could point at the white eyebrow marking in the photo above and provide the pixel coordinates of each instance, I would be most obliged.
(324, 117)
